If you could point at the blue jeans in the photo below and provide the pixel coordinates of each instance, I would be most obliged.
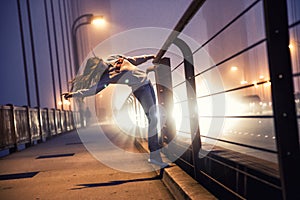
(146, 96)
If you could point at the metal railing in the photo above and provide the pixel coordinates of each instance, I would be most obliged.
(27, 126)
(230, 174)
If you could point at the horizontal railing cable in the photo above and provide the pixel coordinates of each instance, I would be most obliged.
(240, 171)
(239, 116)
(235, 143)
(225, 60)
(233, 56)
(294, 24)
(228, 90)
(234, 89)
(221, 30)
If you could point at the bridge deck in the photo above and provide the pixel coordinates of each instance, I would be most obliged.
(62, 168)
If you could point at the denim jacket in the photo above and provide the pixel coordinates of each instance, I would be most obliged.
(120, 70)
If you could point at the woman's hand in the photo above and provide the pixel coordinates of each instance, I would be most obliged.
(67, 95)
(150, 69)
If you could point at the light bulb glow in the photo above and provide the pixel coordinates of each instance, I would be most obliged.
(98, 21)
(234, 68)
(243, 82)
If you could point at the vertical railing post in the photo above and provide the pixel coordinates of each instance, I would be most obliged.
(285, 119)
(81, 114)
(29, 124)
(40, 123)
(73, 120)
(70, 114)
(48, 123)
(59, 121)
(63, 120)
(189, 72)
(54, 121)
(67, 120)
(164, 88)
(13, 127)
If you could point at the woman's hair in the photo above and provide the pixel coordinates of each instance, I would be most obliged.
(92, 72)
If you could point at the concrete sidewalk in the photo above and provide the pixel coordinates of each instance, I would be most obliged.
(179, 183)
(62, 168)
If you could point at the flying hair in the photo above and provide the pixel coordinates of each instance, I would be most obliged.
(93, 53)
(92, 72)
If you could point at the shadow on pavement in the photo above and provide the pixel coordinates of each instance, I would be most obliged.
(113, 183)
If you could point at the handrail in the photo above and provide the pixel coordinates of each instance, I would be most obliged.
(187, 16)
(207, 165)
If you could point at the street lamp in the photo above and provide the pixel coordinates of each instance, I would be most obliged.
(90, 19)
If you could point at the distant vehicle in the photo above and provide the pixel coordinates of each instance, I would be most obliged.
(252, 104)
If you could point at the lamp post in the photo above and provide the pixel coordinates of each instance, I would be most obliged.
(90, 19)
(75, 27)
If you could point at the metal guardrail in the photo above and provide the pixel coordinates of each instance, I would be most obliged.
(216, 169)
(24, 125)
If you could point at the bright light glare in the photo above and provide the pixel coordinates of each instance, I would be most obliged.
(255, 84)
(261, 77)
(234, 68)
(234, 106)
(177, 115)
(99, 21)
(244, 82)
(65, 102)
(267, 84)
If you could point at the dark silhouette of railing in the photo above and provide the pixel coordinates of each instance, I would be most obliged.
(24, 126)
(229, 174)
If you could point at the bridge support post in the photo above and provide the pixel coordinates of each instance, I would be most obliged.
(189, 72)
(163, 79)
(285, 119)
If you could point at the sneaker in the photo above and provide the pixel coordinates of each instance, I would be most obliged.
(155, 162)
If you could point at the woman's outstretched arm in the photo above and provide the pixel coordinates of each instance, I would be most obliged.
(137, 60)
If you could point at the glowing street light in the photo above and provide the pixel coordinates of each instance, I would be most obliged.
(98, 21)
(234, 68)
